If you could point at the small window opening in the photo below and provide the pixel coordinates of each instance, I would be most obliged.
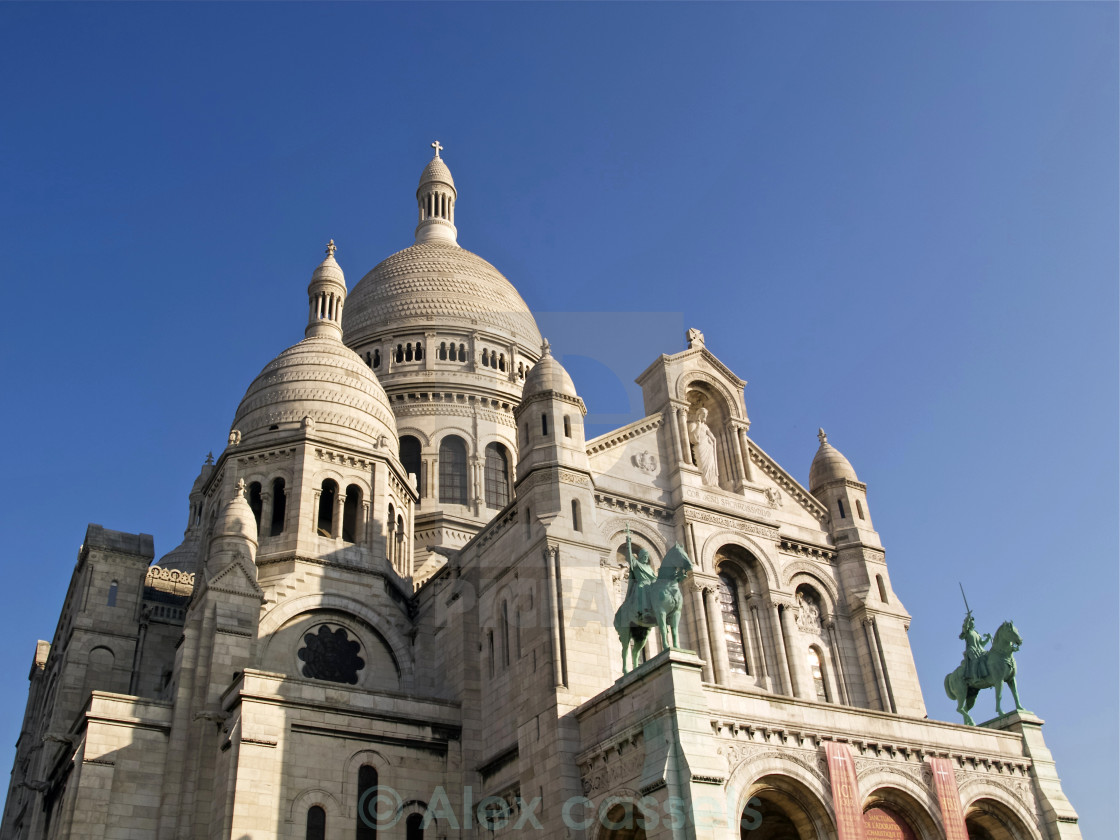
(840, 504)
(462, 352)
(485, 358)
(112, 600)
(377, 358)
(419, 352)
(567, 426)
(577, 523)
(325, 520)
(414, 827)
(316, 823)
(816, 671)
(400, 353)
(502, 362)
(255, 502)
(882, 588)
(279, 507)
(505, 634)
(442, 355)
(408, 352)
(544, 425)
(859, 509)
(367, 803)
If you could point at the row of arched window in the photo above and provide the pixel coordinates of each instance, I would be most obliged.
(454, 481)
(276, 509)
(365, 823)
(448, 351)
(328, 523)
(843, 514)
(409, 353)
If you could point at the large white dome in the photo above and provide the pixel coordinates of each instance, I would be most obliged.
(437, 284)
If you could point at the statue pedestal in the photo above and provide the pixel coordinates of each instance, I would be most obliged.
(1057, 810)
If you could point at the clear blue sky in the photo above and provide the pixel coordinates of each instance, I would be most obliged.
(897, 221)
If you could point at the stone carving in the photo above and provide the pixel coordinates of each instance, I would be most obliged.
(984, 669)
(234, 437)
(646, 461)
(704, 448)
(331, 655)
(774, 497)
(695, 338)
(808, 615)
(651, 601)
(308, 422)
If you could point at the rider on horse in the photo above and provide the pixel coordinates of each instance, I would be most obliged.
(973, 648)
(641, 576)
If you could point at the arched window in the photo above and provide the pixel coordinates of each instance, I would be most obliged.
(732, 625)
(316, 823)
(351, 513)
(577, 522)
(442, 355)
(279, 507)
(567, 426)
(462, 352)
(816, 672)
(490, 649)
(859, 509)
(400, 353)
(544, 425)
(485, 357)
(419, 352)
(882, 588)
(377, 358)
(367, 803)
(414, 827)
(324, 524)
(453, 471)
(497, 476)
(410, 457)
(502, 362)
(408, 352)
(112, 599)
(255, 503)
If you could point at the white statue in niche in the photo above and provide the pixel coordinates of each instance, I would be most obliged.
(704, 448)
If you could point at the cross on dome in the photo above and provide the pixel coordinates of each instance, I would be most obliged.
(437, 147)
(331, 248)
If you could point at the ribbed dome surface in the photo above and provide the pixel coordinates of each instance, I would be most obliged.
(322, 379)
(548, 375)
(436, 170)
(829, 464)
(436, 284)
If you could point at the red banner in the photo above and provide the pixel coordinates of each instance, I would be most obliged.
(884, 824)
(845, 792)
(945, 782)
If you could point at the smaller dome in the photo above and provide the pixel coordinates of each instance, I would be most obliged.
(318, 384)
(829, 464)
(236, 519)
(436, 172)
(548, 375)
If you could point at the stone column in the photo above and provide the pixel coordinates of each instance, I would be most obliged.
(702, 640)
(745, 445)
(682, 425)
(674, 432)
(554, 618)
(315, 512)
(794, 653)
(339, 507)
(717, 640)
(873, 651)
(764, 679)
(780, 649)
(363, 522)
(837, 666)
(265, 527)
(747, 633)
(737, 448)
(433, 474)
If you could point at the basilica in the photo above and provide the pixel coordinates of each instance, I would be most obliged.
(393, 612)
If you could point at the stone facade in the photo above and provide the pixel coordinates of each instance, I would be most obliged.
(392, 613)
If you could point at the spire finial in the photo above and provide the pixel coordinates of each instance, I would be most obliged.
(437, 147)
(209, 459)
(822, 436)
(331, 248)
(241, 486)
(546, 348)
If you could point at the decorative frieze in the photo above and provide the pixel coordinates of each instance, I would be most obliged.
(693, 514)
(728, 503)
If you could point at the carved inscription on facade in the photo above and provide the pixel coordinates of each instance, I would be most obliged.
(727, 503)
(698, 515)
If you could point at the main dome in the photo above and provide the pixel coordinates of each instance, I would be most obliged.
(321, 379)
(436, 284)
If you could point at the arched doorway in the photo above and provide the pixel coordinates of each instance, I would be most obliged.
(987, 819)
(781, 808)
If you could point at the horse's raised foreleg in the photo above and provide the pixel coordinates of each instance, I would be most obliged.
(966, 704)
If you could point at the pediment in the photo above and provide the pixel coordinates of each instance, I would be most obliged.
(236, 579)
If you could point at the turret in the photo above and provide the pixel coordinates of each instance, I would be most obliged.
(834, 482)
(435, 201)
(326, 295)
(550, 418)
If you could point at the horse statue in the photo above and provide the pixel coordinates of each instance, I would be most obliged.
(992, 668)
(651, 602)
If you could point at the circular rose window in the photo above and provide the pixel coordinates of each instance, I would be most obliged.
(330, 654)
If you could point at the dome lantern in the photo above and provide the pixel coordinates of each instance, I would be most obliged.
(435, 201)
(326, 293)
